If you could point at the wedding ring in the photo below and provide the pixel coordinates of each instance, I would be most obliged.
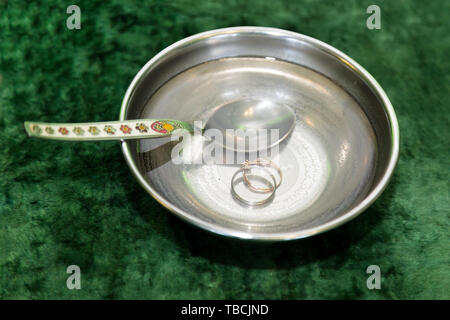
(235, 195)
(261, 163)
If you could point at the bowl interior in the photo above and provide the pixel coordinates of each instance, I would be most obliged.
(337, 153)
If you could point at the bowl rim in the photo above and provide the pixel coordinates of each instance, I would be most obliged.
(225, 231)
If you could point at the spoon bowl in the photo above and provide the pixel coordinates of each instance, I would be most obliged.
(246, 118)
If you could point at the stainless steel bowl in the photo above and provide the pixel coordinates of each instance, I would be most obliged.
(337, 161)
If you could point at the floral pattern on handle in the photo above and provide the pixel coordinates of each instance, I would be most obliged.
(78, 131)
(127, 129)
(63, 131)
(109, 129)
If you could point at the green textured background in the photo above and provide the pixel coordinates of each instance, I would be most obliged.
(77, 203)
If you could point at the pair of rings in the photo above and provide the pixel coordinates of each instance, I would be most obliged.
(246, 172)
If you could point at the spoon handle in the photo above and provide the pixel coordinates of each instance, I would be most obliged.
(111, 130)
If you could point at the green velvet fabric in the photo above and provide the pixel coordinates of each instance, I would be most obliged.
(65, 203)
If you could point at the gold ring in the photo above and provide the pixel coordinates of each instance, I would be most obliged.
(248, 202)
(262, 163)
